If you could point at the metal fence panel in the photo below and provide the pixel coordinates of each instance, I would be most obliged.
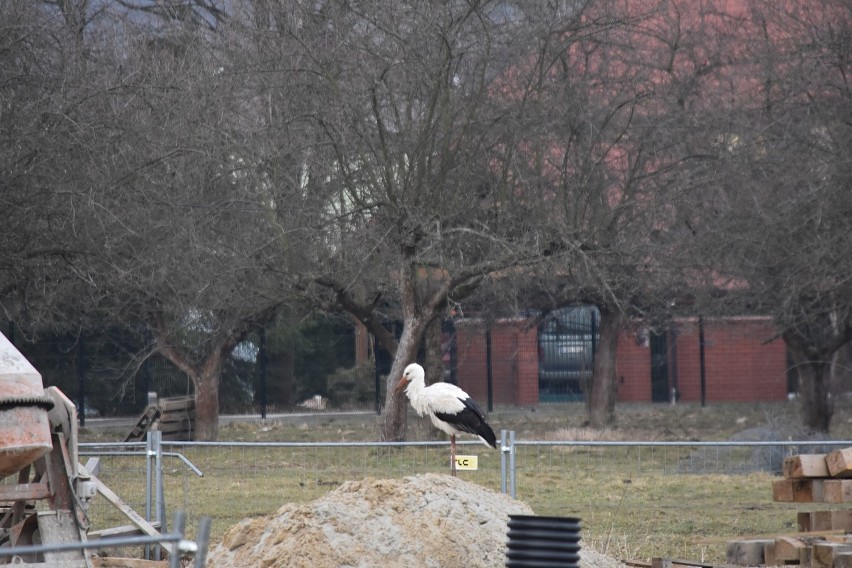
(636, 499)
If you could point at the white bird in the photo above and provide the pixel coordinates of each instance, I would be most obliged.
(449, 407)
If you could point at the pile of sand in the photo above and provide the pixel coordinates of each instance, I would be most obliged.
(426, 520)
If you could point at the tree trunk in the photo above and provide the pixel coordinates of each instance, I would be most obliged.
(817, 406)
(205, 379)
(433, 352)
(207, 399)
(394, 419)
(601, 401)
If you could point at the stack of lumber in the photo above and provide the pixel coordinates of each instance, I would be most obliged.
(824, 539)
(174, 417)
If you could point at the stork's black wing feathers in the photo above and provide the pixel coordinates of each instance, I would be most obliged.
(471, 420)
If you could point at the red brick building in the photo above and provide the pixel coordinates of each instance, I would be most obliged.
(744, 361)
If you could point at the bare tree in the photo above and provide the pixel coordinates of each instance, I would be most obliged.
(165, 201)
(610, 158)
(415, 213)
(771, 225)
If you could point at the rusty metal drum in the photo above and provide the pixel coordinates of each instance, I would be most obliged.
(24, 423)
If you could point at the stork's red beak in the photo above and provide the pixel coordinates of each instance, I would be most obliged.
(400, 386)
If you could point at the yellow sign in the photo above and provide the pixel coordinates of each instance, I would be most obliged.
(467, 462)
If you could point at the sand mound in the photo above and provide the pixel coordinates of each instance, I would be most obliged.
(426, 520)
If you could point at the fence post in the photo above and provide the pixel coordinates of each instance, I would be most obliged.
(701, 345)
(202, 538)
(503, 449)
(262, 361)
(513, 493)
(489, 372)
(507, 470)
(179, 526)
(149, 471)
(154, 492)
(158, 477)
(81, 381)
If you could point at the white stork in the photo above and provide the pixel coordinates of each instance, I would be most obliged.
(449, 407)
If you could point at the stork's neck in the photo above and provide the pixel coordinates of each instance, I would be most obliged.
(416, 392)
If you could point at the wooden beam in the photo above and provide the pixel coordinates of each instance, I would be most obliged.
(113, 532)
(824, 552)
(746, 552)
(788, 549)
(803, 466)
(797, 490)
(843, 560)
(769, 557)
(24, 492)
(112, 562)
(839, 463)
(837, 490)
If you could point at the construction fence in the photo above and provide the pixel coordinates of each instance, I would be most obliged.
(635, 499)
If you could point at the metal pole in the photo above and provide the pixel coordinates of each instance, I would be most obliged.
(489, 375)
(594, 333)
(378, 377)
(701, 359)
(261, 359)
(503, 448)
(202, 538)
(81, 381)
(149, 453)
(180, 527)
(158, 476)
(513, 493)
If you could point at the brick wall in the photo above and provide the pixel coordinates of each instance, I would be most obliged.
(633, 366)
(742, 361)
(514, 361)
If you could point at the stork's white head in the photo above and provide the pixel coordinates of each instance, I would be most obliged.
(412, 373)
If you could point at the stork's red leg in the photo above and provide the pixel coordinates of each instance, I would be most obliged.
(453, 455)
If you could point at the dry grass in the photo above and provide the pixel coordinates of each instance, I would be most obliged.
(633, 502)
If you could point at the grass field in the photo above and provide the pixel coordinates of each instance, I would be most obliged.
(633, 502)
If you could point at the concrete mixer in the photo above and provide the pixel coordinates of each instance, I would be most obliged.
(44, 490)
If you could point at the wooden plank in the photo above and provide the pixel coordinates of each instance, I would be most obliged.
(842, 560)
(803, 520)
(182, 426)
(659, 562)
(145, 422)
(176, 403)
(113, 532)
(837, 490)
(803, 466)
(842, 520)
(112, 562)
(821, 520)
(746, 552)
(60, 527)
(769, 554)
(182, 417)
(798, 490)
(805, 555)
(824, 523)
(824, 552)
(839, 463)
(24, 492)
(787, 549)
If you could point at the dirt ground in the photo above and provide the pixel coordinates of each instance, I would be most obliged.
(428, 520)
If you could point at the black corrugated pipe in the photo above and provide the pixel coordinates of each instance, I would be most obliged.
(543, 542)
